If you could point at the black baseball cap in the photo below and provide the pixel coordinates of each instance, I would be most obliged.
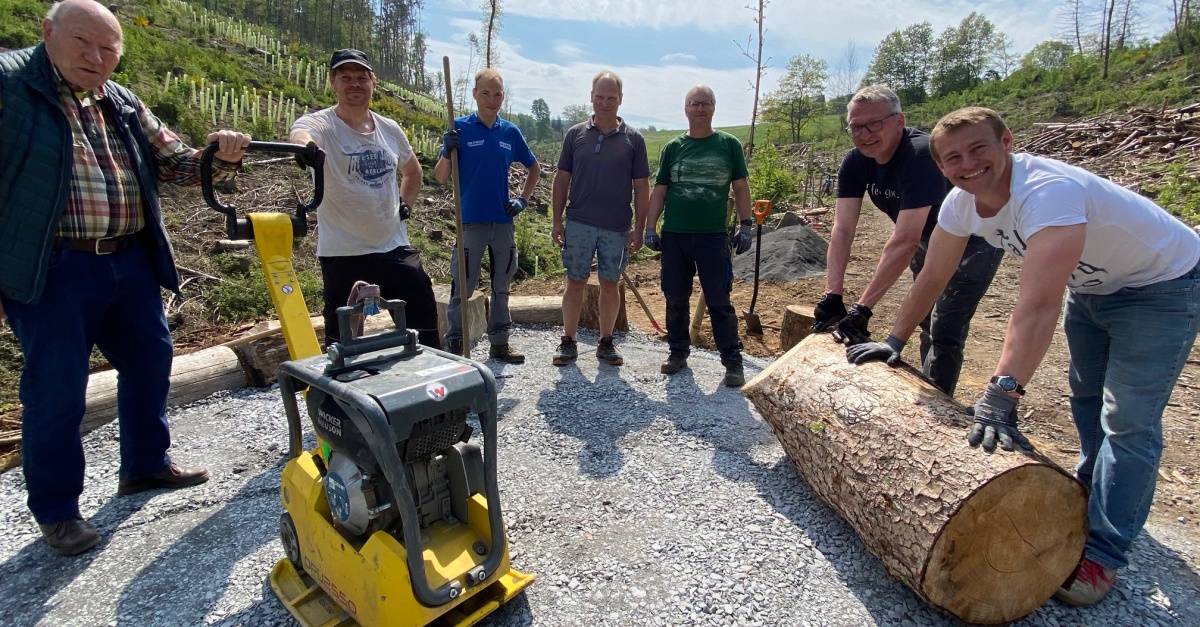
(349, 55)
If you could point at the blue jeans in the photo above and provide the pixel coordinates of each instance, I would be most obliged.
(1127, 350)
(685, 255)
(944, 330)
(111, 302)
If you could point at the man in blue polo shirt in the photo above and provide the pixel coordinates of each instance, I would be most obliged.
(603, 165)
(487, 145)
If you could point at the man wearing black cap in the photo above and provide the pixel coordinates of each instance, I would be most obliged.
(362, 216)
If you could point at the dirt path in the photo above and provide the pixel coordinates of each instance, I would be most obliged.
(1045, 414)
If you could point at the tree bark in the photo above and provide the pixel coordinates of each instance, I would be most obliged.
(985, 537)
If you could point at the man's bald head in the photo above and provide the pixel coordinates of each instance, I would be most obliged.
(84, 41)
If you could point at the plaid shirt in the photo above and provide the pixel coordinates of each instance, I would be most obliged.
(105, 198)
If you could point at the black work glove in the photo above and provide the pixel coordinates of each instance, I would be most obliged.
(449, 141)
(996, 419)
(405, 211)
(311, 157)
(828, 312)
(853, 328)
(515, 206)
(652, 241)
(741, 241)
(888, 349)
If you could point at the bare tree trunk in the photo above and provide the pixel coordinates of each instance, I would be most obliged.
(1110, 8)
(758, 71)
(490, 36)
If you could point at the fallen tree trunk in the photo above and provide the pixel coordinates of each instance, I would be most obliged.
(193, 376)
(987, 538)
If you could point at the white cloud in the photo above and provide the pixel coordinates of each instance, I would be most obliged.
(653, 93)
(678, 57)
(568, 49)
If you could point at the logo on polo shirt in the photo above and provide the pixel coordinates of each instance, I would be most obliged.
(506, 146)
(475, 144)
(371, 165)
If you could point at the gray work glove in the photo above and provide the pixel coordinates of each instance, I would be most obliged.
(449, 141)
(828, 312)
(515, 206)
(996, 419)
(888, 349)
(853, 328)
(741, 241)
(652, 240)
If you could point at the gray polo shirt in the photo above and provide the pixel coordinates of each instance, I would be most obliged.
(603, 168)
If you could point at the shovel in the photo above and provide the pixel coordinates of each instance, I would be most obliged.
(762, 209)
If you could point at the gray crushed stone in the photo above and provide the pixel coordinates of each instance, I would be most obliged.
(637, 499)
(789, 254)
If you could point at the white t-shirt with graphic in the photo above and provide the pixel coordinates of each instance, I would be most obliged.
(360, 211)
(1130, 240)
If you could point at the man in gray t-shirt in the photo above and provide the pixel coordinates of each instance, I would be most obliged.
(602, 166)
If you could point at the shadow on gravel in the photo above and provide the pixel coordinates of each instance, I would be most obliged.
(515, 613)
(599, 413)
(188, 579)
(32, 577)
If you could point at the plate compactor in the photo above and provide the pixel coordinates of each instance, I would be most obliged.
(394, 517)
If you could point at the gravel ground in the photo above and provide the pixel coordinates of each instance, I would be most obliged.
(636, 498)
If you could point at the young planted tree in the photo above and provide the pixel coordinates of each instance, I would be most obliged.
(757, 58)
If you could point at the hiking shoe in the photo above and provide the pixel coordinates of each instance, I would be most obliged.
(674, 363)
(506, 354)
(735, 377)
(605, 351)
(71, 537)
(1090, 583)
(454, 346)
(568, 350)
(172, 477)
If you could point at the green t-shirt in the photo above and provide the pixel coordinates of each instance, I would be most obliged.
(697, 173)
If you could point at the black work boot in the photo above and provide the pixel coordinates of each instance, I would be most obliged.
(735, 376)
(506, 354)
(675, 362)
(568, 350)
(607, 352)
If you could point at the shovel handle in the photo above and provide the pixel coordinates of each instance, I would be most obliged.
(762, 209)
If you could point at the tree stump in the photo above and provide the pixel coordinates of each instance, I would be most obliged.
(548, 309)
(797, 325)
(987, 538)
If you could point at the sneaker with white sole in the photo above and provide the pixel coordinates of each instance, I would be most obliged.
(1090, 583)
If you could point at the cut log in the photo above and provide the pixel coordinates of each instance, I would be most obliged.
(987, 538)
(193, 376)
(548, 309)
(535, 309)
(797, 325)
(475, 310)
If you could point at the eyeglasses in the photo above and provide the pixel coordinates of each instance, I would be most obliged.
(701, 104)
(871, 127)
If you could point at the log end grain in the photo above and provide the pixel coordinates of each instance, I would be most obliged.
(1009, 546)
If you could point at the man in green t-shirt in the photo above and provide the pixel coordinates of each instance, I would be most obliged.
(695, 173)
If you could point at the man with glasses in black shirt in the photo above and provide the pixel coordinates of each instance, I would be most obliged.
(891, 163)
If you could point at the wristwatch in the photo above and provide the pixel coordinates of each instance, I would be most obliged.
(1009, 384)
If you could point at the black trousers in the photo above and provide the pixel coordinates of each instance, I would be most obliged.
(399, 275)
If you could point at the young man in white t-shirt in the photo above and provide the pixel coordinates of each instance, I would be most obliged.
(1132, 283)
(362, 234)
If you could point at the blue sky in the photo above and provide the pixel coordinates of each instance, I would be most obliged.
(551, 48)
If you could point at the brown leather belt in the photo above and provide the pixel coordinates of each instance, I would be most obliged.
(102, 246)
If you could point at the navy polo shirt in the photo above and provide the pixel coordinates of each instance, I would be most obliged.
(484, 157)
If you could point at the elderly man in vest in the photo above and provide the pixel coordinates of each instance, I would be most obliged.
(83, 254)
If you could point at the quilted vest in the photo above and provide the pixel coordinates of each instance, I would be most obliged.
(35, 172)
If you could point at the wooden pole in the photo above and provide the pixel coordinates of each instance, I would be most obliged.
(463, 296)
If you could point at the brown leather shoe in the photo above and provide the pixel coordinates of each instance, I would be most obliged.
(71, 537)
(506, 354)
(170, 478)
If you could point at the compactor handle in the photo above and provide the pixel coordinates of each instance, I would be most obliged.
(239, 230)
